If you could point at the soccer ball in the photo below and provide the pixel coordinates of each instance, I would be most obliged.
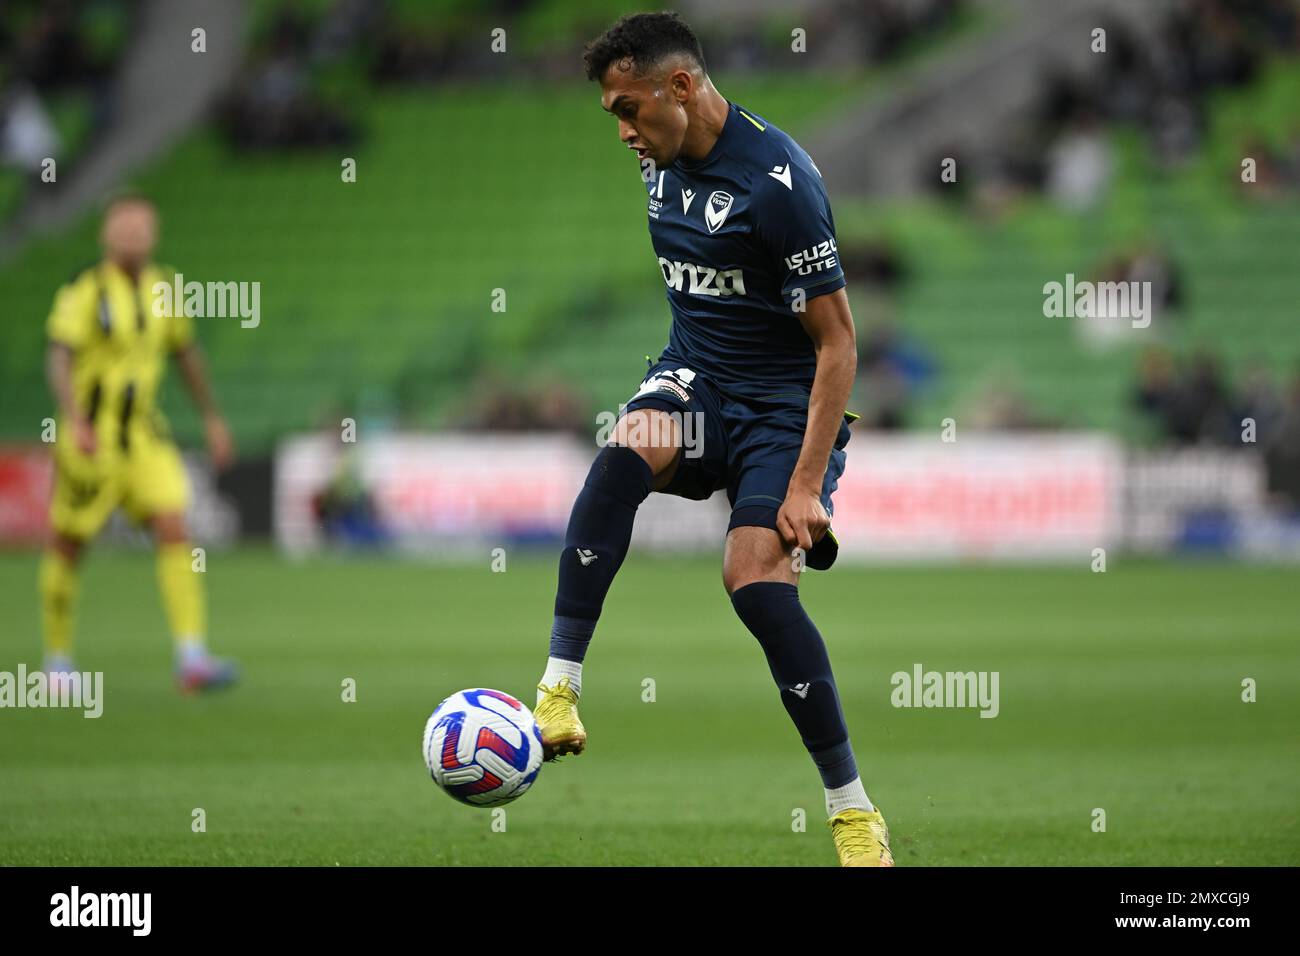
(483, 747)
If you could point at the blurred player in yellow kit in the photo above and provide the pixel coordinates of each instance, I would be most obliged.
(107, 352)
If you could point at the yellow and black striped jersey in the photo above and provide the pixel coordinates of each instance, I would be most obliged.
(120, 342)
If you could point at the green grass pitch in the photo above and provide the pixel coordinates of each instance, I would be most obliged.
(1119, 691)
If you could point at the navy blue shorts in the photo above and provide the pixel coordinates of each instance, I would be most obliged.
(749, 446)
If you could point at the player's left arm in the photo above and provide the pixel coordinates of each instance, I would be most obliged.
(189, 357)
(184, 348)
(798, 231)
(802, 520)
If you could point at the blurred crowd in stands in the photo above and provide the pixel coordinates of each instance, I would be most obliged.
(1193, 403)
(54, 49)
(548, 405)
(278, 103)
(275, 104)
(1159, 85)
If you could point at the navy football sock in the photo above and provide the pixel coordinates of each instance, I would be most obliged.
(595, 544)
(796, 655)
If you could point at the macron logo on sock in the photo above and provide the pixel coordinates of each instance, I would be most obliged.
(586, 557)
(800, 690)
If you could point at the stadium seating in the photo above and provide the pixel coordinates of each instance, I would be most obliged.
(464, 190)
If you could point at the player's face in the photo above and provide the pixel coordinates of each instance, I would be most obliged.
(130, 233)
(651, 112)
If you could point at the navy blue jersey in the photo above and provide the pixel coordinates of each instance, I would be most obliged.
(739, 234)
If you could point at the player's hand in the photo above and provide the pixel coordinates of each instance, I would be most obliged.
(802, 520)
(220, 445)
(83, 432)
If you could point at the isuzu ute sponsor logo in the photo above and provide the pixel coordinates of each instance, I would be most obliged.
(702, 279)
(656, 197)
(819, 258)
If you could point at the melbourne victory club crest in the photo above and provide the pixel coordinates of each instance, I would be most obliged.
(715, 212)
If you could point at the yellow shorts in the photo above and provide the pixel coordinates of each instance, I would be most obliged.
(146, 479)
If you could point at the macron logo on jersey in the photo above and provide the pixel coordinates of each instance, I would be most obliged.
(687, 196)
(782, 175)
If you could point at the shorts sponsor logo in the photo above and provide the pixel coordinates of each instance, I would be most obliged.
(662, 384)
(675, 381)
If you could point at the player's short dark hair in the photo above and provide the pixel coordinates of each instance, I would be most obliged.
(128, 197)
(644, 38)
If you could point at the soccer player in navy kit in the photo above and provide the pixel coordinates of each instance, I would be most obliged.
(762, 350)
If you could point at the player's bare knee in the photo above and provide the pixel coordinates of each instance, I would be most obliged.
(755, 554)
(655, 436)
(67, 547)
(169, 528)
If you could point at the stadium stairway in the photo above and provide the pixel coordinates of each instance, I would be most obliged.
(163, 90)
(968, 96)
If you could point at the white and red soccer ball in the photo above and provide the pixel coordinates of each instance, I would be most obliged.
(483, 747)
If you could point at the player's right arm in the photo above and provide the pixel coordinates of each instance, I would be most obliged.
(68, 328)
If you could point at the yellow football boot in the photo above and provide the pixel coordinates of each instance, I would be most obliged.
(557, 718)
(861, 838)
